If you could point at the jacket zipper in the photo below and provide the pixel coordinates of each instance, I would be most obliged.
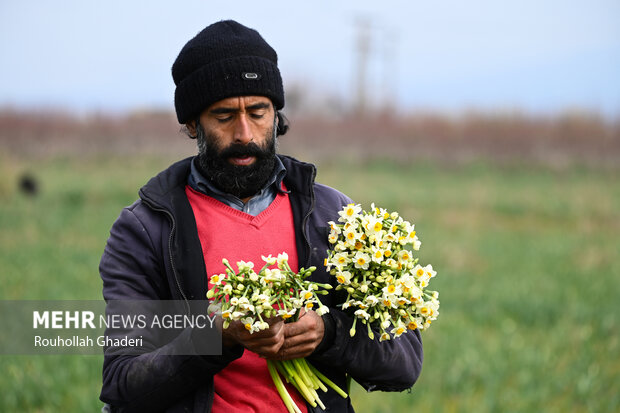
(304, 223)
(172, 230)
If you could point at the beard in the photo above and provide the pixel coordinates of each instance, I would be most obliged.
(241, 181)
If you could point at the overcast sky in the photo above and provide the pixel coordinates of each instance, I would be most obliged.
(533, 55)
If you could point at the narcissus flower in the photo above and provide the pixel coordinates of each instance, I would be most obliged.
(350, 211)
(343, 277)
(361, 260)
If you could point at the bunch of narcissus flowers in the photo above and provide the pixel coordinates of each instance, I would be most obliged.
(253, 297)
(371, 261)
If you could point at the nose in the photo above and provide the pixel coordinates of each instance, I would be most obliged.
(243, 132)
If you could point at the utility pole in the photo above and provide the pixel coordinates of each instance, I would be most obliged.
(361, 66)
(390, 75)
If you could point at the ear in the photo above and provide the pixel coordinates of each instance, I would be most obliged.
(191, 128)
(281, 123)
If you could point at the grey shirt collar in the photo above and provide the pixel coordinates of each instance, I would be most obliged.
(257, 204)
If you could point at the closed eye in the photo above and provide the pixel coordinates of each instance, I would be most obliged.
(223, 119)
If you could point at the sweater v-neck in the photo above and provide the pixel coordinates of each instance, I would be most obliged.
(241, 216)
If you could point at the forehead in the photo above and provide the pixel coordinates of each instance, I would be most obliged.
(238, 102)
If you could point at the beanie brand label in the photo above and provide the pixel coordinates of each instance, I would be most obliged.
(250, 75)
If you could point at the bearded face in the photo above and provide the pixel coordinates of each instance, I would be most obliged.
(241, 181)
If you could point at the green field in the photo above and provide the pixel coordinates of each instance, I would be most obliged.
(527, 261)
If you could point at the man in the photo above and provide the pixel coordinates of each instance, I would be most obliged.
(236, 199)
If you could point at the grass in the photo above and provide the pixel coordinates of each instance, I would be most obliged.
(527, 271)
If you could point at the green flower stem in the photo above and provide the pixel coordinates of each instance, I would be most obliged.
(302, 373)
(318, 384)
(286, 398)
(282, 371)
(289, 371)
(316, 398)
(298, 382)
(371, 335)
(300, 366)
(304, 391)
(328, 381)
(352, 331)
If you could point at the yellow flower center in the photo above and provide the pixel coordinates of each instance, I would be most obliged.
(391, 288)
(387, 253)
(308, 295)
(358, 245)
(341, 279)
(248, 326)
(412, 325)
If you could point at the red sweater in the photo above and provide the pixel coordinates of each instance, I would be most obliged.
(245, 384)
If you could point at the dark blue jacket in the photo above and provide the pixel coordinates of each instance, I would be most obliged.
(154, 253)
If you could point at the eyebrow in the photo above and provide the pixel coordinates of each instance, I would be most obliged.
(256, 106)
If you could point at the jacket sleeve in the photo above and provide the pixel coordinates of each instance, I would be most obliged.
(392, 365)
(132, 268)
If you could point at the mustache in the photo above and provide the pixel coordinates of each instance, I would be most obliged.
(237, 150)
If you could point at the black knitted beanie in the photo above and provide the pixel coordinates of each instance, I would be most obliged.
(225, 59)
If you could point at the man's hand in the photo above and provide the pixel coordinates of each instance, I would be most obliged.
(302, 336)
(265, 343)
